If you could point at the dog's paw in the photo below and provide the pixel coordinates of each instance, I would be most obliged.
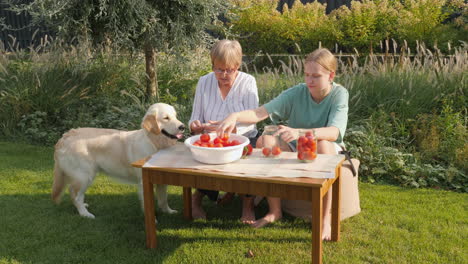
(87, 215)
(169, 210)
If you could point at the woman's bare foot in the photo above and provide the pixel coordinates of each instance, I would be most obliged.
(326, 232)
(197, 210)
(267, 219)
(326, 227)
(248, 213)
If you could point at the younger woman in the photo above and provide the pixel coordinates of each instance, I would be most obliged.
(318, 105)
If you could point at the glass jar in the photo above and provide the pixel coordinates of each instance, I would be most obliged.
(307, 146)
(271, 145)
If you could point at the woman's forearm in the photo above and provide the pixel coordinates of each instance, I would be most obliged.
(247, 117)
(251, 116)
(324, 133)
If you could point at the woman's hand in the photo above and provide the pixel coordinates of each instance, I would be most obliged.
(212, 126)
(227, 125)
(196, 127)
(287, 134)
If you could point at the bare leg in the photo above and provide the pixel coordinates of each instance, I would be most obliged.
(248, 213)
(326, 219)
(326, 147)
(197, 210)
(273, 215)
(274, 203)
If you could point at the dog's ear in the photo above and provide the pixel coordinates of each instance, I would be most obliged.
(151, 125)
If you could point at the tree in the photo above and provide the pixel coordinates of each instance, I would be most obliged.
(146, 25)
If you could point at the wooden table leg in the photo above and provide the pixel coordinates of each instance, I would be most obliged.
(317, 209)
(150, 218)
(335, 212)
(187, 192)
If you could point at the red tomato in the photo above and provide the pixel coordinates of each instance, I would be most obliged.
(250, 149)
(299, 147)
(266, 152)
(196, 144)
(235, 142)
(310, 143)
(300, 155)
(247, 150)
(305, 149)
(205, 138)
(210, 145)
(225, 137)
(204, 144)
(302, 140)
(217, 140)
(309, 134)
(218, 145)
(310, 155)
(275, 151)
(314, 148)
(314, 155)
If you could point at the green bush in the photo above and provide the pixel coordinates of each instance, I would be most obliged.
(443, 137)
(365, 26)
(260, 26)
(418, 20)
(387, 155)
(366, 23)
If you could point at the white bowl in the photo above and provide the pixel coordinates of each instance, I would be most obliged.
(217, 155)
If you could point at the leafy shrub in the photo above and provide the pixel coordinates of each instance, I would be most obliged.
(307, 27)
(442, 137)
(418, 20)
(259, 26)
(386, 156)
(300, 29)
(366, 23)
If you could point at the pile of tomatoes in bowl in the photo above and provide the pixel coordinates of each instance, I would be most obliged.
(211, 149)
(217, 142)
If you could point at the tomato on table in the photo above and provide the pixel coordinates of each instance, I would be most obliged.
(266, 152)
(275, 151)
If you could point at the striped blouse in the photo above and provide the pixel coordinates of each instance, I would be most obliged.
(209, 105)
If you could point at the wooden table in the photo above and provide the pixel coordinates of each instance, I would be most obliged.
(288, 188)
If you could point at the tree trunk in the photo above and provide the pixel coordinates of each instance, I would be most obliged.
(151, 82)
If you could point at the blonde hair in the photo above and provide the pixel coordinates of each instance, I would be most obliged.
(227, 53)
(323, 57)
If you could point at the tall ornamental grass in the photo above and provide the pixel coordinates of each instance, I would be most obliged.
(407, 118)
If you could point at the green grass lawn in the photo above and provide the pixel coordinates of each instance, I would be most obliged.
(396, 225)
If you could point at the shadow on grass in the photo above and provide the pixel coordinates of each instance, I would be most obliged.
(36, 230)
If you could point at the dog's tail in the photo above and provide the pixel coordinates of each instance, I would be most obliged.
(59, 183)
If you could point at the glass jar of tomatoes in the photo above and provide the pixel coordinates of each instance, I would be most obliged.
(271, 146)
(307, 146)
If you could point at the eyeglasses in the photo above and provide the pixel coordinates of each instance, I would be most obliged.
(227, 71)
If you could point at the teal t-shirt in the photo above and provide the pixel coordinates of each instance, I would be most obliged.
(297, 106)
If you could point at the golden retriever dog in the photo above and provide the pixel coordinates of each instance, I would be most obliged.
(83, 152)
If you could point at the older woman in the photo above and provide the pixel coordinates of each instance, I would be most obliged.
(224, 91)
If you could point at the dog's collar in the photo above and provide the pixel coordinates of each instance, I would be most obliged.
(164, 132)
